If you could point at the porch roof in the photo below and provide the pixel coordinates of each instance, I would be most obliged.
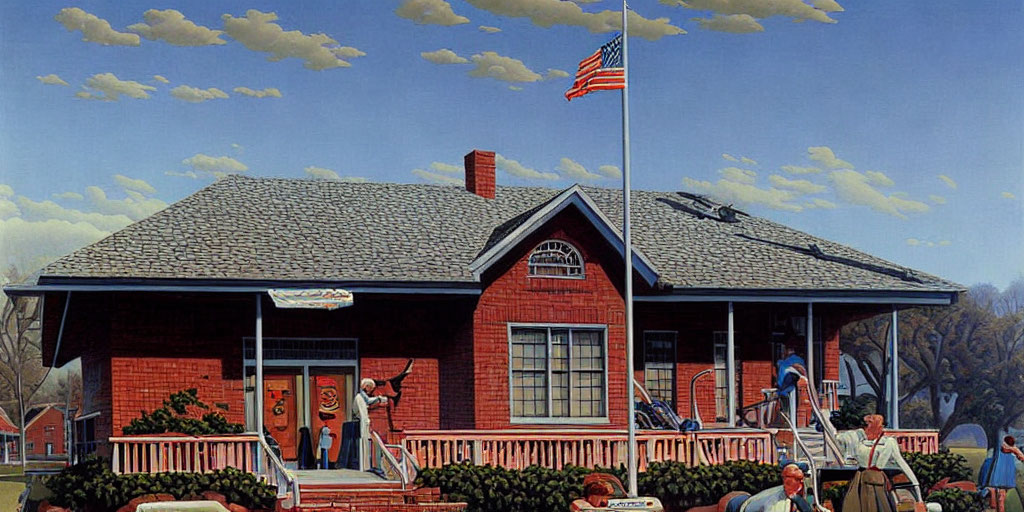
(246, 231)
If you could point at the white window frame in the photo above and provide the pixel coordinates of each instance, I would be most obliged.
(579, 256)
(558, 420)
(675, 363)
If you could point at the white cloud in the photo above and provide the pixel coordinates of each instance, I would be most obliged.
(93, 28)
(731, 23)
(498, 67)
(444, 56)
(216, 165)
(135, 206)
(748, 161)
(161, 79)
(825, 156)
(430, 12)
(443, 167)
(515, 168)
(171, 26)
(69, 195)
(878, 179)
(730, 158)
(610, 171)
(329, 174)
(738, 175)
(553, 74)
(111, 88)
(197, 95)
(36, 211)
(736, 192)
(800, 186)
(937, 199)
(573, 170)
(135, 184)
(8, 209)
(796, 169)
(948, 181)
(917, 242)
(186, 174)
(1007, 195)
(257, 33)
(52, 79)
(29, 245)
(856, 188)
(489, 30)
(441, 179)
(760, 9)
(548, 13)
(515, 88)
(6, 190)
(818, 202)
(269, 92)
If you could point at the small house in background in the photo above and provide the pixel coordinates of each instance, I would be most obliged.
(8, 439)
(44, 431)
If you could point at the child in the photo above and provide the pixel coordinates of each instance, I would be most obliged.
(999, 473)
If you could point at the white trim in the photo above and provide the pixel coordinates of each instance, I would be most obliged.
(561, 420)
(797, 299)
(575, 196)
(89, 416)
(27, 289)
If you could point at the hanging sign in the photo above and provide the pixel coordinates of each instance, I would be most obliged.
(315, 298)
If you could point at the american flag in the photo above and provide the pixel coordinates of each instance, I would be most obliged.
(601, 71)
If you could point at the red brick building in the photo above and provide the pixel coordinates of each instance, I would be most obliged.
(44, 431)
(509, 299)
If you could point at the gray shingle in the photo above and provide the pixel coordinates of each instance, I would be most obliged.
(282, 229)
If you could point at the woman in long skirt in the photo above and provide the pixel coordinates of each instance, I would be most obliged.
(999, 472)
(870, 489)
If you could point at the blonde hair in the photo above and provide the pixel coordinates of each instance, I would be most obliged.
(367, 383)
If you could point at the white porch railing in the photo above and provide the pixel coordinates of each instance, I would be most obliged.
(920, 441)
(517, 449)
(830, 395)
(202, 454)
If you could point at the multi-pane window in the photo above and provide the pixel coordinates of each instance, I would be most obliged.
(721, 356)
(556, 258)
(557, 372)
(660, 365)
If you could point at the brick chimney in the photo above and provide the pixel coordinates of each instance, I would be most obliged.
(480, 173)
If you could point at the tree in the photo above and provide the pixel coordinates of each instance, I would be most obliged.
(867, 341)
(21, 368)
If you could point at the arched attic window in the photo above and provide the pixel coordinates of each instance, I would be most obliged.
(556, 258)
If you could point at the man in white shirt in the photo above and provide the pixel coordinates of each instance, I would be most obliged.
(361, 406)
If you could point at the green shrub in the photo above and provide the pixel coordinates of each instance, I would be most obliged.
(852, 411)
(495, 489)
(955, 500)
(91, 485)
(171, 418)
(930, 468)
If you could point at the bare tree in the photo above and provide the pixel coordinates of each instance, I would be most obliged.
(21, 368)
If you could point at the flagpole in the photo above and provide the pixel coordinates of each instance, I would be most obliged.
(626, 240)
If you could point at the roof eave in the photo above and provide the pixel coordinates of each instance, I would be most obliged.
(94, 284)
(938, 297)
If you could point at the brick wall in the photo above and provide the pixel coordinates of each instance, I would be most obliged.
(511, 296)
(47, 427)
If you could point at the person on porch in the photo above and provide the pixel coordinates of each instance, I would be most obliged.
(325, 446)
(356, 433)
(787, 381)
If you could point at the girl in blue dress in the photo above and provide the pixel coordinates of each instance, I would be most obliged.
(999, 472)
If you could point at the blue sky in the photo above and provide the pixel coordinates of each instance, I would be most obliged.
(893, 127)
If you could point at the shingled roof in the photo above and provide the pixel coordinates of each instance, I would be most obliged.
(243, 228)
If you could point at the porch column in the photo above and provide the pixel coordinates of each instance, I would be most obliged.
(894, 387)
(259, 365)
(730, 361)
(810, 343)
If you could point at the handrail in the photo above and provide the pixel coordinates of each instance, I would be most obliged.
(694, 411)
(386, 455)
(810, 460)
(290, 481)
(828, 430)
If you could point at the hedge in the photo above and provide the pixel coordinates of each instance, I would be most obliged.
(91, 485)
(678, 486)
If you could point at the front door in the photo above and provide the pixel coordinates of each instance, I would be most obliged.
(279, 412)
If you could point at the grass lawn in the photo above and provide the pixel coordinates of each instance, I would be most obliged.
(975, 457)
